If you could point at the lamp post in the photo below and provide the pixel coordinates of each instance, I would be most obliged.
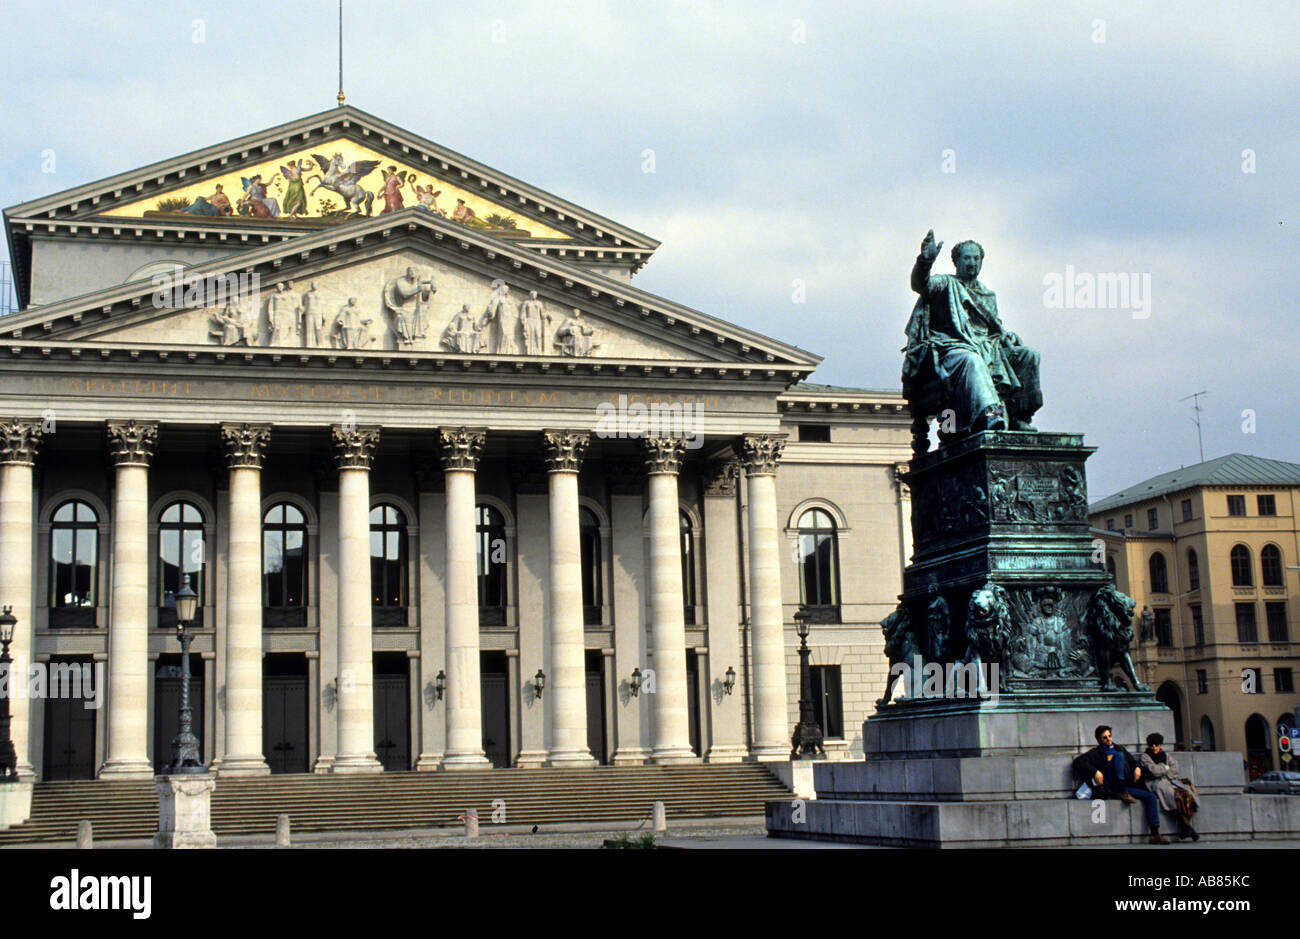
(807, 740)
(8, 757)
(185, 746)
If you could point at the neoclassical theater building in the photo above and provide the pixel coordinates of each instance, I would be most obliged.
(452, 491)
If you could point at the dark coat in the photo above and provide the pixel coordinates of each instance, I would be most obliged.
(1094, 761)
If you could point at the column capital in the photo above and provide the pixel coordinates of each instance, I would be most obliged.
(563, 449)
(461, 447)
(19, 441)
(900, 471)
(132, 443)
(721, 478)
(245, 444)
(354, 445)
(761, 453)
(663, 455)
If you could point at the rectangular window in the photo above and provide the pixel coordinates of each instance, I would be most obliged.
(1236, 505)
(1275, 614)
(1128, 520)
(1283, 683)
(1267, 505)
(1202, 682)
(1164, 628)
(1187, 510)
(828, 703)
(1153, 519)
(1198, 625)
(1252, 680)
(1246, 631)
(1110, 524)
(814, 433)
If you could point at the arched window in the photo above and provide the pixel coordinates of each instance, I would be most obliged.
(688, 569)
(388, 566)
(492, 582)
(74, 560)
(284, 566)
(1110, 564)
(1193, 570)
(1207, 734)
(1240, 559)
(180, 555)
(589, 547)
(819, 573)
(1159, 574)
(1270, 563)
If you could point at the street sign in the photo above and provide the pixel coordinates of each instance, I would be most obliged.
(1283, 730)
(1286, 757)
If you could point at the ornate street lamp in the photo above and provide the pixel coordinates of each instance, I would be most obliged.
(729, 685)
(807, 740)
(634, 685)
(185, 746)
(8, 757)
(539, 683)
(440, 684)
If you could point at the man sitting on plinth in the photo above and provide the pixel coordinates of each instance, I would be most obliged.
(987, 376)
(1113, 773)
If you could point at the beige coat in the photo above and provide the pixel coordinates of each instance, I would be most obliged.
(1162, 779)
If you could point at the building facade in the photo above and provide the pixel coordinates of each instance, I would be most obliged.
(1209, 553)
(452, 492)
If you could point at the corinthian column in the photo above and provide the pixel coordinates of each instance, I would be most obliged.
(244, 446)
(354, 448)
(566, 686)
(672, 736)
(19, 441)
(127, 751)
(771, 725)
(460, 452)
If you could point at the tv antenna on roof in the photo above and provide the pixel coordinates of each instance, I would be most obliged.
(1196, 406)
(340, 53)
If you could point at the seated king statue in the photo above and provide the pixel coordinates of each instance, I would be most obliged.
(958, 357)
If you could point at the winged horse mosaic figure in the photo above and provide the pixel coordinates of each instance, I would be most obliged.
(343, 179)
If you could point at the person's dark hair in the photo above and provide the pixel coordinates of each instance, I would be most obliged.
(1155, 740)
(1101, 729)
(956, 249)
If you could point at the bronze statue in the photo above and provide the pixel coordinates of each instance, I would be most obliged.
(1109, 620)
(958, 357)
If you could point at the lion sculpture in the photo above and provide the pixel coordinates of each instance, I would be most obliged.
(1109, 621)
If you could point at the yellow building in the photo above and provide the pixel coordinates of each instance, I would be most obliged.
(1209, 552)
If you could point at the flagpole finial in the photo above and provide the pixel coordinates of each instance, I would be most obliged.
(340, 53)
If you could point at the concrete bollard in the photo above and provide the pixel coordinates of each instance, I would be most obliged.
(660, 817)
(471, 824)
(282, 832)
(85, 835)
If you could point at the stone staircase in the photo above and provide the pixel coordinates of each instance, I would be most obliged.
(129, 809)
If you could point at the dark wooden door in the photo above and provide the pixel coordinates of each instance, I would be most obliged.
(392, 722)
(69, 739)
(167, 703)
(693, 698)
(284, 722)
(596, 705)
(494, 687)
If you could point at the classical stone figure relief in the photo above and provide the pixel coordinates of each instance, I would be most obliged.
(352, 327)
(500, 320)
(534, 320)
(408, 298)
(314, 318)
(236, 323)
(282, 312)
(575, 336)
(461, 334)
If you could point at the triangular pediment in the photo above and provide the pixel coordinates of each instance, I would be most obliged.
(286, 180)
(404, 283)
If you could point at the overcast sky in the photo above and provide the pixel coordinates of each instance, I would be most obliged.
(808, 142)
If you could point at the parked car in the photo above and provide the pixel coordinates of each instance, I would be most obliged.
(1276, 782)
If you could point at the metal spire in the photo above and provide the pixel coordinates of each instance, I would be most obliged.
(340, 53)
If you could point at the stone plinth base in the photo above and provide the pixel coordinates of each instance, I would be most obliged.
(15, 803)
(184, 811)
(726, 753)
(797, 776)
(127, 769)
(251, 765)
(958, 774)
